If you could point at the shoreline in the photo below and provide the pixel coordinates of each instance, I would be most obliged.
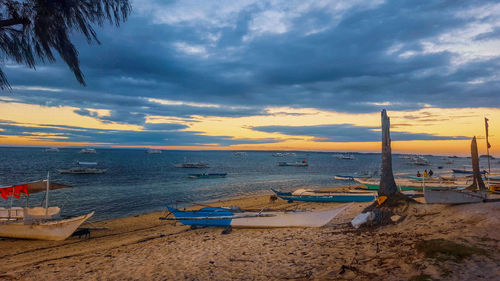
(258, 193)
(143, 247)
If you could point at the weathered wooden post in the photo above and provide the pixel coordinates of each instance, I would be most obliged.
(387, 184)
(478, 181)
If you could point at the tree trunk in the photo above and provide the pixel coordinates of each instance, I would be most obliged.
(387, 184)
(478, 181)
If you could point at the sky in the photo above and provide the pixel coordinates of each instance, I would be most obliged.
(271, 75)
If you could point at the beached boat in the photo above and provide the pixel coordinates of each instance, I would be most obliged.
(411, 184)
(343, 178)
(234, 217)
(207, 176)
(87, 151)
(192, 165)
(307, 195)
(39, 223)
(465, 171)
(454, 196)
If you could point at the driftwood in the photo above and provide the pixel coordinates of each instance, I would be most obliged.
(387, 184)
(478, 181)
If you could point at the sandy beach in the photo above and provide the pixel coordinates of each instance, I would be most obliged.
(145, 248)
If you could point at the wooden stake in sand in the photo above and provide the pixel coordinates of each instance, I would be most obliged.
(478, 181)
(387, 184)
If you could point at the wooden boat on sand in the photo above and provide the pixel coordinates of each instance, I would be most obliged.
(234, 217)
(307, 195)
(40, 223)
(454, 196)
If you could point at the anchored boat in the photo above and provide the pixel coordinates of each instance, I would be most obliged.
(207, 176)
(302, 163)
(83, 168)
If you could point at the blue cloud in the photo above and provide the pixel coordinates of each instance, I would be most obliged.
(348, 133)
(347, 59)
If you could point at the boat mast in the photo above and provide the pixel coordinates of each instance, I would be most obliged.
(11, 201)
(487, 149)
(47, 197)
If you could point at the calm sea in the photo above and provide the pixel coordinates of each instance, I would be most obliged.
(137, 182)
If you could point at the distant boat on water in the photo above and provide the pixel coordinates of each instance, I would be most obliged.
(240, 153)
(83, 169)
(420, 161)
(88, 151)
(207, 176)
(192, 165)
(154, 151)
(52, 149)
(343, 178)
(303, 163)
(345, 157)
(284, 154)
(486, 156)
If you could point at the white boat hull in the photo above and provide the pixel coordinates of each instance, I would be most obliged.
(49, 230)
(288, 219)
(454, 196)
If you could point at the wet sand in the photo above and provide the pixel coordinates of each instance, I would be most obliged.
(145, 248)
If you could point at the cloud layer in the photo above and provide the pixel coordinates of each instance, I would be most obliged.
(234, 58)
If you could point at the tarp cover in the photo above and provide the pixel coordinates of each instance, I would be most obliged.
(28, 188)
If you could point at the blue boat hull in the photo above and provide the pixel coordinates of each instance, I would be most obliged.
(466, 172)
(210, 212)
(326, 198)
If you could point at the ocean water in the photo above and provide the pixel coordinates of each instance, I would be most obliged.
(137, 182)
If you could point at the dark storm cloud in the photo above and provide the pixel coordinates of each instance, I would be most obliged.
(161, 134)
(348, 133)
(363, 58)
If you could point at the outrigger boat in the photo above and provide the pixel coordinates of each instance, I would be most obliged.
(39, 223)
(84, 168)
(343, 178)
(192, 165)
(207, 176)
(303, 163)
(88, 151)
(411, 184)
(307, 195)
(235, 217)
